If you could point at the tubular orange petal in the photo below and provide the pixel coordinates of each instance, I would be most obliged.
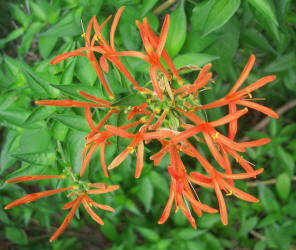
(161, 134)
(68, 103)
(140, 160)
(103, 190)
(69, 204)
(93, 98)
(34, 178)
(259, 107)
(133, 54)
(119, 131)
(119, 158)
(228, 118)
(67, 219)
(35, 196)
(104, 64)
(159, 121)
(244, 74)
(243, 175)
(202, 206)
(168, 208)
(240, 194)
(233, 124)
(222, 205)
(185, 134)
(256, 85)
(89, 119)
(256, 143)
(163, 35)
(92, 214)
(154, 80)
(88, 157)
(103, 162)
(215, 152)
(65, 56)
(114, 25)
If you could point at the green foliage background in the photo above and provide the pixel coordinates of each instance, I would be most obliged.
(38, 140)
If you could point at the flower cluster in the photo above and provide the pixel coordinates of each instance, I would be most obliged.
(170, 113)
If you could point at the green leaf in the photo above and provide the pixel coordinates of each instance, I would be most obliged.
(260, 245)
(265, 9)
(248, 225)
(59, 131)
(209, 16)
(11, 36)
(14, 116)
(147, 6)
(159, 182)
(283, 186)
(148, 234)
(72, 90)
(74, 146)
(145, 193)
(67, 26)
(109, 230)
(46, 45)
(273, 127)
(287, 160)
(189, 233)
(38, 11)
(130, 100)
(84, 71)
(29, 36)
(269, 219)
(195, 59)
(39, 114)
(44, 159)
(19, 15)
(9, 145)
(282, 63)
(267, 199)
(130, 35)
(72, 121)
(68, 73)
(16, 235)
(177, 30)
(257, 39)
(27, 169)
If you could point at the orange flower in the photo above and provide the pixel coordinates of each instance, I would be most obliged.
(87, 203)
(99, 139)
(152, 57)
(138, 140)
(243, 97)
(138, 110)
(34, 178)
(108, 51)
(181, 191)
(90, 49)
(211, 135)
(217, 182)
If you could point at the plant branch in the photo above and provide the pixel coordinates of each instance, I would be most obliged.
(267, 182)
(163, 6)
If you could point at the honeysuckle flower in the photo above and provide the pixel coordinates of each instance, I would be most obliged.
(243, 97)
(82, 197)
(211, 136)
(108, 51)
(138, 110)
(181, 191)
(90, 48)
(202, 79)
(99, 139)
(217, 182)
(152, 56)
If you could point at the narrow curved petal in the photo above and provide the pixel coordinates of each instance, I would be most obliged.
(34, 178)
(155, 83)
(222, 205)
(67, 219)
(114, 26)
(258, 107)
(163, 35)
(140, 159)
(244, 74)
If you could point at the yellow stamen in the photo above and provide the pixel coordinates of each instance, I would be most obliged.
(215, 136)
(230, 193)
(132, 149)
(250, 95)
(238, 158)
(83, 35)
